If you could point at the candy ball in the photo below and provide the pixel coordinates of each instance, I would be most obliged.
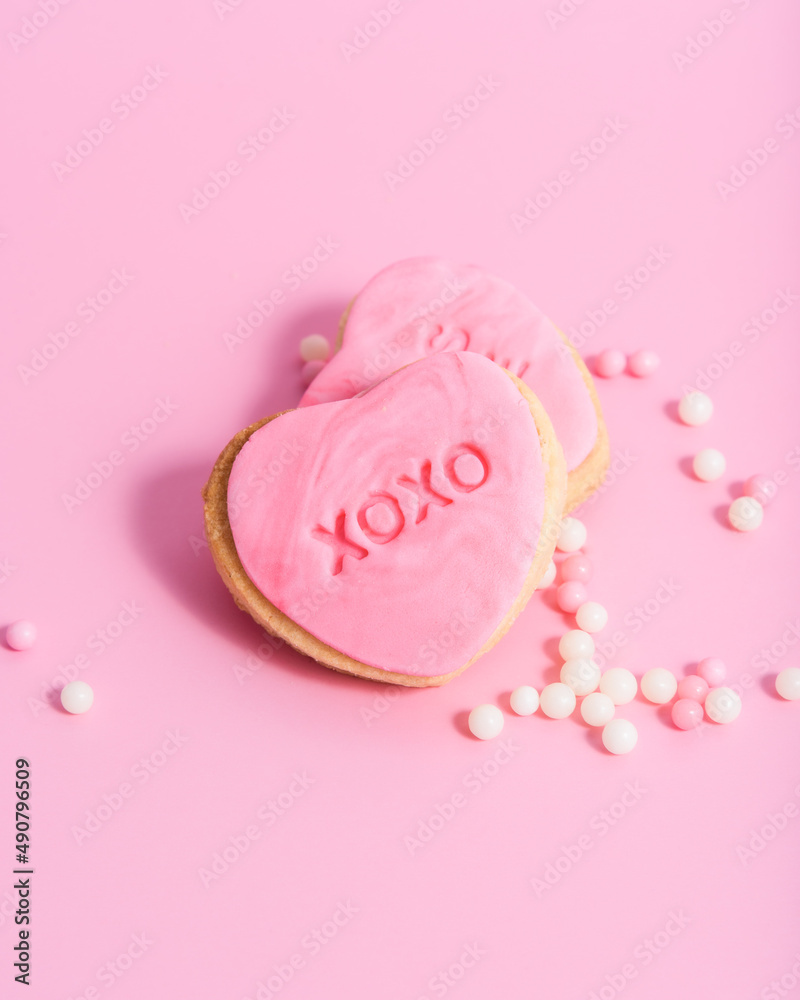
(575, 643)
(687, 713)
(712, 670)
(572, 535)
(709, 464)
(591, 617)
(760, 488)
(643, 363)
(787, 683)
(619, 736)
(578, 567)
(619, 684)
(557, 701)
(310, 371)
(597, 709)
(571, 595)
(549, 576)
(609, 363)
(315, 348)
(21, 634)
(746, 514)
(524, 700)
(581, 674)
(659, 685)
(485, 722)
(692, 688)
(695, 408)
(77, 697)
(723, 705)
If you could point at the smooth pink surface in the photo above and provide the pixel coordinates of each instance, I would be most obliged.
(216, 733)
(610, 363)
(406, 539)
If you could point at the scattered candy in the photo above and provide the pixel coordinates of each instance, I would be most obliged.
(787, 683)
(760, 488)
(746, 514)
(659, 685)
(315, 348)
(571, 595)
(687, 713)
(620, 736)
(695, 408)
(692, 688)
(577, 567)
(609, 363)
(643, 363)
(709, 464)
(572, 535)
(712, 670)
(597, 709)
(549, 576)
(723, 705)
(485, 721)
(310, 371)
(524, 700)
(21, 634)
(77, 697)
(591, 617)
(557, 701)
(581, 674)
(619, 684)
(574, 644)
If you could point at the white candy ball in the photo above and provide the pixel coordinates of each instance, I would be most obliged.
(525, 700)
(787, 683)
(315, 348)
(746, 514)
(557, 701)
(723, 705)
(485, 722)
(659, 685)
(575, 644)
(597, 709)
(619, 684)
(620, 736)
(572, 535)
(591, 617)
(77, 697)
(581, 674)
(695, 408)
(549, 576)
(709, 464)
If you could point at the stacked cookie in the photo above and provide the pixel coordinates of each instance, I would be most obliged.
(395, 524)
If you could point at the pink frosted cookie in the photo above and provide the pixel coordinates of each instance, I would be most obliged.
(423, 306)
(398, 534)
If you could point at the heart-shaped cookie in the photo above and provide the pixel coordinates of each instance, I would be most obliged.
(426, 305)
(395, 535)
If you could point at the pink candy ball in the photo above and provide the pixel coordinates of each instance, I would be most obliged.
(687, 713)
(571, 595)
(578, 567)
(643, 363)
(310, 371)
(693, 688)
(21, 634)
(712, 670)
(609, 363)
(760, 488)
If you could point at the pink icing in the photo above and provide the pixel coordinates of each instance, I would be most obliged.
(424, 305)
(397, 527)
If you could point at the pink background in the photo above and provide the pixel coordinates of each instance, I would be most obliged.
(381, 768)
